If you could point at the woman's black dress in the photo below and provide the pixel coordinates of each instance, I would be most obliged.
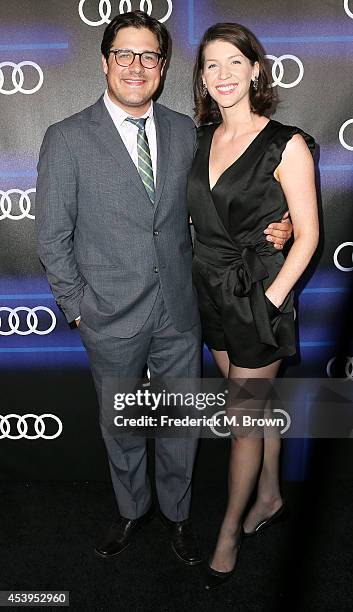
(234, 264)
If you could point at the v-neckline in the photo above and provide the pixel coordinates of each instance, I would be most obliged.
(235, 161)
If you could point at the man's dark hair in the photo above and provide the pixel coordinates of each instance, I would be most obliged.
(135, 19)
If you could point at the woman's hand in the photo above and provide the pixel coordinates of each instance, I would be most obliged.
(276, 300)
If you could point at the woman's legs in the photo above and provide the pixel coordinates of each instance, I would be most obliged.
(222, 361)
(268, 496)
(245, 462)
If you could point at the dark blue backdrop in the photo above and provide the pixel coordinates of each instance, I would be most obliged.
(49, 69)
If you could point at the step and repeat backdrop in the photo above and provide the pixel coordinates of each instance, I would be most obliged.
(50, 67)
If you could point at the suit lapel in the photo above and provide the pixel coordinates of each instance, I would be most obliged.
(163, 149)
(104, 128)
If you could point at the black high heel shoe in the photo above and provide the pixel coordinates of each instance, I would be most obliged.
(280, 515)
(214, 578)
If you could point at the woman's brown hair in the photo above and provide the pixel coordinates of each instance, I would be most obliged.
(206, 109)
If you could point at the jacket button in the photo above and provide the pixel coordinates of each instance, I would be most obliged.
(156, 270)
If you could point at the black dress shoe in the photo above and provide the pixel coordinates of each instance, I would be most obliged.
(214, 578)
(280, 515)
(183, 540)
(121, 534)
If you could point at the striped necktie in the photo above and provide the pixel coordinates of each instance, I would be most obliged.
(145, 169)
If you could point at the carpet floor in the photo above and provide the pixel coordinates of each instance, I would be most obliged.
(48, 532)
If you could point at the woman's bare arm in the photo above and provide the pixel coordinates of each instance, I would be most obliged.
(297, 178)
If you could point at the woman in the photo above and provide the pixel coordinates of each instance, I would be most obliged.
(248, 170)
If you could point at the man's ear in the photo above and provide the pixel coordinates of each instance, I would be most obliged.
(104, 65)
(163, 67)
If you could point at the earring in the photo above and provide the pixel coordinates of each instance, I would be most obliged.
(255, 83)
(204, 90)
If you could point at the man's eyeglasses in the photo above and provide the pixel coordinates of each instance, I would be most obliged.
(126, 57)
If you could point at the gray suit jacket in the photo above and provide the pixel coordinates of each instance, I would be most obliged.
(105, 247)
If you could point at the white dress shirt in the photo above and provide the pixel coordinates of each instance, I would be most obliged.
(128, 131)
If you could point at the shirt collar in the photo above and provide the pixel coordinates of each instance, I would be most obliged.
(118, 114)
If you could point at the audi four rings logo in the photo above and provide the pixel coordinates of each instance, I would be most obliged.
(13, 321)
(336, 253)
(105, 10)
(278, 70)
(22, 426)
(346, 8)
(24, 204)
(18, 78)
(341, 132)
(348, 369)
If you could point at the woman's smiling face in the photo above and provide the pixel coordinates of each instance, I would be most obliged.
(227, 73)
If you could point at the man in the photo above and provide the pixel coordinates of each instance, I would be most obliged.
(113, 235)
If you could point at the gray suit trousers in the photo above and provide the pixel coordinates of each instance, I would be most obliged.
(169, 353)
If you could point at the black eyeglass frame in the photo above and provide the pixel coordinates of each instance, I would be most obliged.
(159, 56)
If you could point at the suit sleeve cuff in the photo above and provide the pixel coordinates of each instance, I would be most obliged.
(71, 308)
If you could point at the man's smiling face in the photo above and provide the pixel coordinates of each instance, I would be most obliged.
(133, 87)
